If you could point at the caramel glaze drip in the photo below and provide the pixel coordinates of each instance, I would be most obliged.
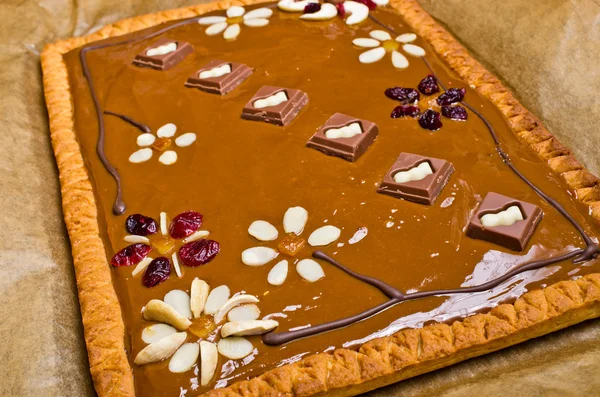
(590, 251)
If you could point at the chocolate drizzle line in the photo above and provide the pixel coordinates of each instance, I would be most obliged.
(580, 255)
(136, 124)
(118, 206)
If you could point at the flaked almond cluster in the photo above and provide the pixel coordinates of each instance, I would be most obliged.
(146, 236)
(201, 324)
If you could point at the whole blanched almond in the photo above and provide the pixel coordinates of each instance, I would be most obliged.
(160, 350)
(159, 311)
(248, 327)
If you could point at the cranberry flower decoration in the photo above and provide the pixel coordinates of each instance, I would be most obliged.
(235, 15)
(200, 323)
(355, 11)
(381, 43)
(145, 236)
(294, 221)
(160, 142)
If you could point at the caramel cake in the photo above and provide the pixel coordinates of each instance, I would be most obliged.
(303, 198)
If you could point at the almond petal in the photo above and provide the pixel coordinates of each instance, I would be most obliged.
(169, 157)
(278, 273)
(406, 38)
(294, 220)
(414, 50)
(310, 270)
(196, 236)
(371, 56)
(216, 28)
(161, 349)
(263, 231)
(366, 42)
(399, 61)
(209, 358)
(380, 35)
(180, 301)
(137, 239)
(231, 303)
(232, 32)
(141, 266)
(235, 347)
(185, 140)
(157, 310)
(258, 256)
(145, 139)
(184, 358)
(217, 298)
(175, 261)
(256, 23)
(211, 20)
(244, 312)
(155, 332)
(139, 156)
(324, 235)
(166, 131)
(258, 13)
(198, 295)
(248, 327)
(235, 11)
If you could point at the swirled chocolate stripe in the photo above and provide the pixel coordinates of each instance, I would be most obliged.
(127, 119)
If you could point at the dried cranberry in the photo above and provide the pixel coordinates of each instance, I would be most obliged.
(140, 225)
(131, 255)
(428, 85)
(340, 9)
(451, 96)
(369, 3)
(430, 120)
(404, 95)
(198, 252)
(405, 111)
(311, 8)
(454, 112)
(185, 224)
(158, 271)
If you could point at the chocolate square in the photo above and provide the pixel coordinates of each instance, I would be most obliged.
(515, 236)
(164, 61)
(221, 84)
(348, 148)
(281, 114)
(423, 191)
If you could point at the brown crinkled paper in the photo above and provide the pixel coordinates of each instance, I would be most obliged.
(546, 52)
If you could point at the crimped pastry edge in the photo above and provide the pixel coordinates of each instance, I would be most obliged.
(383, 361)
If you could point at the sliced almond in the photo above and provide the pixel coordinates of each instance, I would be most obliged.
(163, 224)
(324, 235)
(294, 220)
(232, 31)
(358, 12)
(359, 235)
(211, 20)
(157, 310)
(209, 358)
(258, 256)
(372, 55)
(198, 295)
(180, 300)
(136, 239)
(160, 350)
(196, 236)
(414, 50)
(258, 13)
(217, 298)
(141, 266)
(235, 347)
(235, 11)
(176, 265)
(278, 273)
(155, 332)
(141, 155)
(244, 313)
(310, 270)
(380, 35)
(248, 327)
(406, 38)
(184, 358)
(231, 303)
(263, 231)
(399, 61)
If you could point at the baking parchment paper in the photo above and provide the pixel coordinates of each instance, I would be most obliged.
(546, 51)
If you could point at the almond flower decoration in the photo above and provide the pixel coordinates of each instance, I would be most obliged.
(230, 25)
(160, 143)
(187, 327)
(294, 221)
(357, 11)
(145, 236)
(381, 43)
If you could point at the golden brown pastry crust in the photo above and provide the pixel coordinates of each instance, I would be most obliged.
(343, 372)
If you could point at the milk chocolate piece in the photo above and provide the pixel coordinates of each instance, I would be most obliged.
(423, 191)
(164, 61)
(221, 84)
(515, 236)
(350, 148)
(280, 114)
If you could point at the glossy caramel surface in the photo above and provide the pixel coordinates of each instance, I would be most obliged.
(239, 171)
